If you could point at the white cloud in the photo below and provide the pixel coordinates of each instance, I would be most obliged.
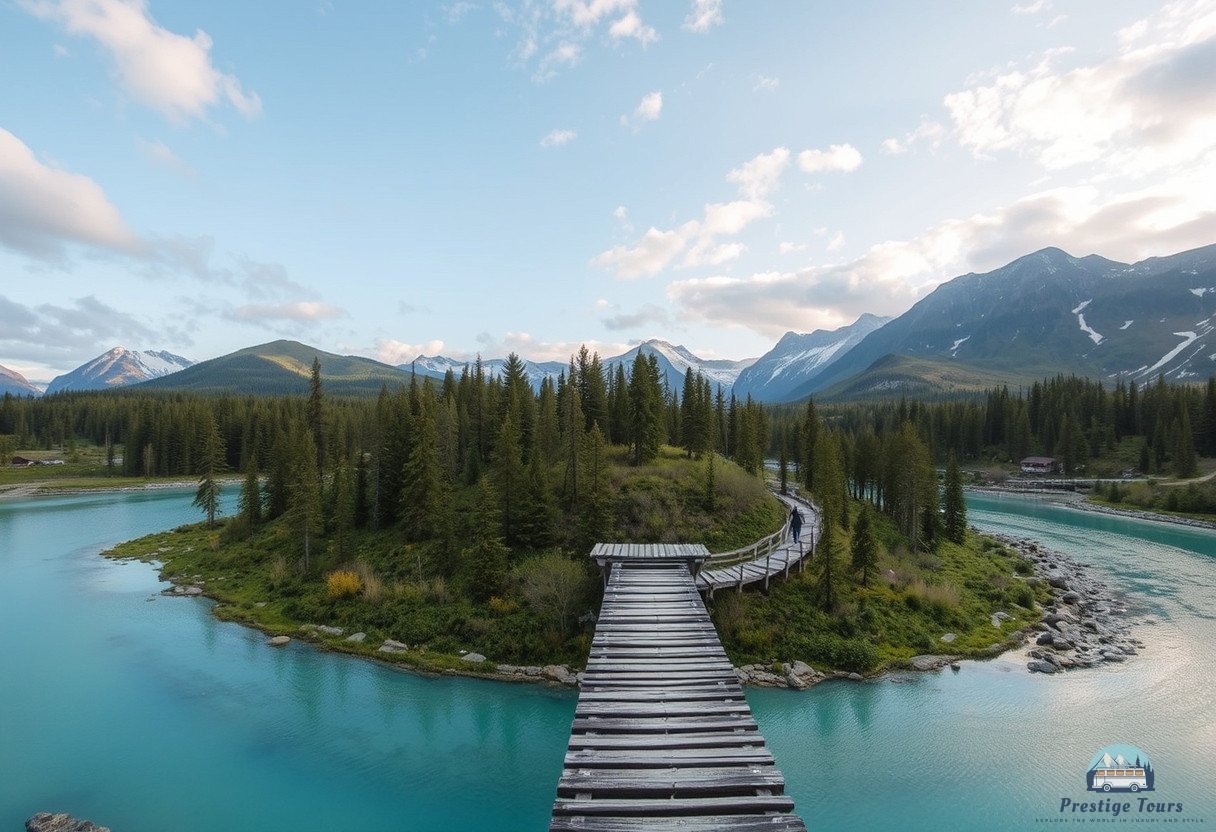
(532, 348)
(650, 255)
(648, 109)
(837, 242)
(704, 15)
(631, 26)
(763, 82)
(646, 315)
(68, 334)
(43, 208)
(842, 158)
(1032, 7)
(790, 248)
(557, 138)
(590, 12)
(169, 72)
(1146, 109)
(565, 54)
(307, 311)
(394, 352)
(760, 175)
(928, 131)
(1171, 216)
(732, 217)
(621, 213)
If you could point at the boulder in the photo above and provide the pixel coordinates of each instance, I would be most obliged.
(475, 658)
(857, 677)
(47, 822)
(279, 641)
(929, 662)
(1058, 581)
(391, 646)
(357, 638)
(801, 668)
(1045, 639)
(330, 631)
(949, 637)
(559, 673)
(1071, 597)
(1040, 666)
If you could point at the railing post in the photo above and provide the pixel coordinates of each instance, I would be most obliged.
(767, 557)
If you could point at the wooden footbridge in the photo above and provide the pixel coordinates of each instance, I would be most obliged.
(663, 737)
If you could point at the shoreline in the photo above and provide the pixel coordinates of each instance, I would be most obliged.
(46, 488)
(1073, 500)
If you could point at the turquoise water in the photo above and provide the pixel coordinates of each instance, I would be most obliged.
(145, 713)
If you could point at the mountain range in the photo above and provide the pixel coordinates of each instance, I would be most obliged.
(1046, 313)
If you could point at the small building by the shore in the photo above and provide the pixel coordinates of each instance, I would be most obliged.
(1040, 465)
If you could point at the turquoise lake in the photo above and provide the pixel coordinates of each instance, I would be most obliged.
(144, 713)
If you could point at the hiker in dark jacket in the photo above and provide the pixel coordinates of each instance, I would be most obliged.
(795, 523)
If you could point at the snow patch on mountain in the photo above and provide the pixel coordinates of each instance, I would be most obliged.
(1081, 308)
(1188, 339)
(1088, 330)
(954, 347)
(1126, 324)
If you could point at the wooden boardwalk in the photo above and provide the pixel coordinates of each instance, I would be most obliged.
(764, 560)
(663, 737)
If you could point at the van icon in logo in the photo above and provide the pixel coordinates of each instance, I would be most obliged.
(1120, 768)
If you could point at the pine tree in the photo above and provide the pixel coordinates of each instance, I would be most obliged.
(316, 413)
(343, 508)
(249, 504)
(864, 546)
(594, 515)
(486, 555)
(955, 503)
(710, 497)
(810, 437)
(1185, 463)
(304, 511)
(509, 476)
(646, 410)
(207, 497)
(421, 474)
(783, 463)
(825, 570)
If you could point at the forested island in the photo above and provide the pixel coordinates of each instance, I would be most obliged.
(455, 517)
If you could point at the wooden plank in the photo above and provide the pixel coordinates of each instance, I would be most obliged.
(707, 823)
(676, 806)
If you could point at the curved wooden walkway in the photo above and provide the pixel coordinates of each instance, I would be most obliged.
(766, 558)
(663, 737)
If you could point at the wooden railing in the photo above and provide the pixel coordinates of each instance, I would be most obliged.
(762, 550)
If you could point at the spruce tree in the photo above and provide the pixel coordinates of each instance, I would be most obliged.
(509, 475)
(955, 504)
(304, 511)
(316, 413)
(825, 570)
(421, 474)
(594, 514)
(486, 555)
(343, 507)
(864, 546)
(207, 497)
(710, 497)
(249, 504)
(1185, 464)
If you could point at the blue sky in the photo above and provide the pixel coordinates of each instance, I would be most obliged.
(463, 177)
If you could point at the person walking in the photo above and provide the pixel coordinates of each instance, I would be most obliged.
(795, 522)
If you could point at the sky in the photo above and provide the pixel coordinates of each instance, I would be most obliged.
(481, 177)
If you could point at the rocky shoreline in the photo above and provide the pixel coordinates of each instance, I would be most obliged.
(1086, 624)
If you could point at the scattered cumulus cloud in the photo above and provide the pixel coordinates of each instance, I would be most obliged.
(631, 26)
(927, 132)
(532, 348)
(837, 242)
(557, 138)
(169, 72)
(44, 209)
(1032, 7)
(1143, 110)
(394, 352)
(786, 247)
(759, 176)
(704, 15)
(763, 83)
(71, 333)
(648, 314)
(648, 109)
(304, 311)
(839, 158)
(1170, 216)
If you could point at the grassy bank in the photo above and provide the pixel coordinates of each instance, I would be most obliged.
(409, 593)
(915, 599)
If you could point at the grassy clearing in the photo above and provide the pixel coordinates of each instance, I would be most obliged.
(915, 600)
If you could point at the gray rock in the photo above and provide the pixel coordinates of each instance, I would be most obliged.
(857, 677)
(559, 673)
(1045, 639)
(1058, 581)
(1040, 666)
(391, 646)
(794, 681)
(475, 658)
(1061, 643)
(260, 604)
(929, 662)
(1112, 656)
(279, 641)
(330, 631)
(46, 822)
(357, 638)
(949, 637)
(1070, 597)
(801, 668)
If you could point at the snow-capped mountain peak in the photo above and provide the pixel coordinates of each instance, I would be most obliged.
(119, 367)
